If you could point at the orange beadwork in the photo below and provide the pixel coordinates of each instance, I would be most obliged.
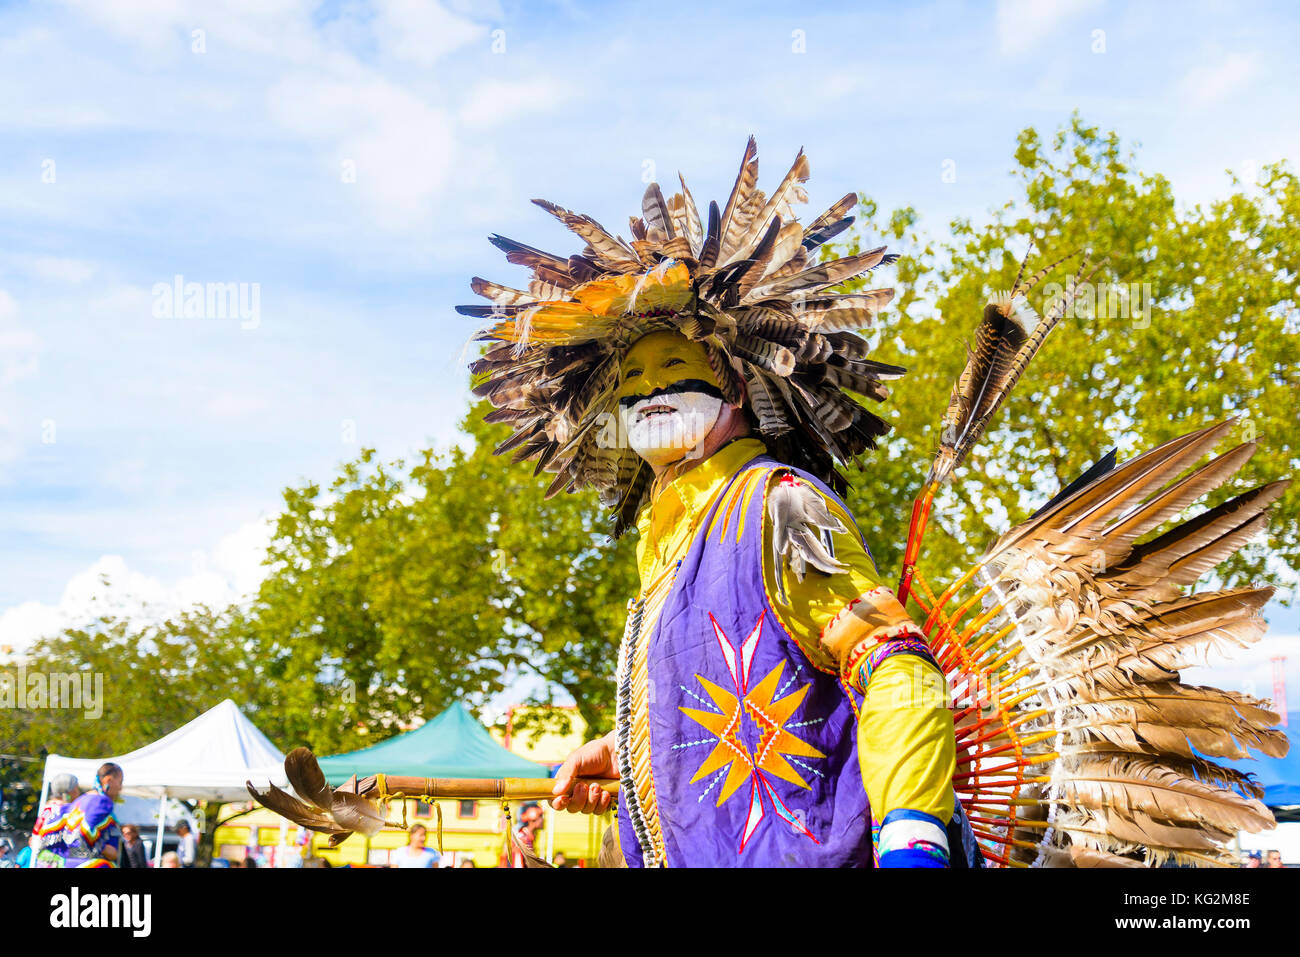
(997, 744)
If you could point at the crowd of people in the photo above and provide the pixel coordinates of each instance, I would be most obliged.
(77, 828)
(1255, 859)
(417, 853)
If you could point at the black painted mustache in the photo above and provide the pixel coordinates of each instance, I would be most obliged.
(686, 385)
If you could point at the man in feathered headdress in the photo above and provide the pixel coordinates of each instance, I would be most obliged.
(776, 705)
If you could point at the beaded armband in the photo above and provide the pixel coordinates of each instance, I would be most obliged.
(869, 629)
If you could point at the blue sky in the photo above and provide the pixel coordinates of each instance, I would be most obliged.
(349, 159)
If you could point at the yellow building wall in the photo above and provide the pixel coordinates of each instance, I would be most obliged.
(544, 747)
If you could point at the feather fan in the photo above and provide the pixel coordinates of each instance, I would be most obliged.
(1077, 641)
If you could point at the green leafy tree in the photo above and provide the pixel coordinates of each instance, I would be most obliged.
(1208, 331)
(397, 591)
(565, 583)
(377, 607)
(154, 676)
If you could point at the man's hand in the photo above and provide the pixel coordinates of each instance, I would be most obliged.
(595, 759)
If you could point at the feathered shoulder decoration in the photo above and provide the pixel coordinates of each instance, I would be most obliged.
(745, 282)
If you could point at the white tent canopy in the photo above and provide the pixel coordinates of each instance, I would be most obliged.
(208, 759)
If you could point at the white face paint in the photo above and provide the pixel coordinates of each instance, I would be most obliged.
(667, 428)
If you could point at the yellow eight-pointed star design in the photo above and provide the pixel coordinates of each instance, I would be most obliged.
(775, 740)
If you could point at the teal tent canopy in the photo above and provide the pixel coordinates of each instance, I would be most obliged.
(452, 745)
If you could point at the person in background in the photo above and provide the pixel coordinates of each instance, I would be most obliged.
(301, 849)
(559, 860)
(87, 832)
(1253, 859)
(170, 860)
(134, 853)
(530, 822)
(64, 789)
(7, 857)
(415, 854)
(1275, 859)
(467, 862)
(188, 849)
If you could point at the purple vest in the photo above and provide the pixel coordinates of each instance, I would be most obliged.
(753, 750)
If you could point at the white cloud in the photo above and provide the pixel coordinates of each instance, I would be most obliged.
(135, 477)
(480, 9)
(1215, 82)
(17, 344)
(400, 148)
(1023, 25)
(494, 102)
(62, 269)
(231, 571)
(374, 87)
(18, 360)
(107, 587)
(422, 32)
(165, 28)
(119, 300)
(239, 556)
(23, 624)
(237, 405)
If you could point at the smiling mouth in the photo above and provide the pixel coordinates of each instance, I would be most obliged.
(651, 411)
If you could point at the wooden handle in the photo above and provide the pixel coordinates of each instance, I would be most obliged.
(482, 789)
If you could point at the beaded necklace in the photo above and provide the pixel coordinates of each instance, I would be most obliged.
(629, 796)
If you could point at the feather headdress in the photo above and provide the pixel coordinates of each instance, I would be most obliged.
(744, 282)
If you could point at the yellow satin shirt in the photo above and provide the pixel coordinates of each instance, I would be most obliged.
(905, 731)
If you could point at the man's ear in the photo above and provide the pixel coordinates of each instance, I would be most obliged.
(744, 394)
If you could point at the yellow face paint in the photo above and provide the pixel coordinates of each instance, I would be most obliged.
(668, 397)
(660, 359)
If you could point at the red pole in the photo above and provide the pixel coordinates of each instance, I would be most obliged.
(915, 532)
